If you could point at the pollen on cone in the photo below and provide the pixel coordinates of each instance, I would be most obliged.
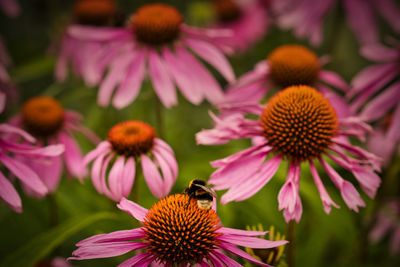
(179, 231)
(156, 24)
(293, 65)
(132, 138)
(42, 116)
(299, 122)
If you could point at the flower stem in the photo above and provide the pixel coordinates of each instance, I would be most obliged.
(53, 210)
(291, 236)
(160, 119)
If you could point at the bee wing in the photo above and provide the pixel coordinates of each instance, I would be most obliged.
(208, 190)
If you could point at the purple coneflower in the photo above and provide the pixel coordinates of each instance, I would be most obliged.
(45, 119)
(286, 65)
(383, 104)
(7, 90)
(297, 125)
(81, 54)
(129, 143)
(155, 43)
(388, 222)
(15, 157)
(248, 21)
(174, 232)
(10, 7)
(306, 17)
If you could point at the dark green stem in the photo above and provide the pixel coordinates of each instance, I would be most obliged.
(291, 237)
(160, 119)
(53, 210)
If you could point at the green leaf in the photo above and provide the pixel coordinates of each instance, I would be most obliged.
(42, 245)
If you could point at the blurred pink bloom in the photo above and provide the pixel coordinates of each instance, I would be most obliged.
(155, 44)
(306, 17)
(17, 158)
(286, 65)
(247, 19)
(128, 144)
(55, 262)
(299, 125)
(388, 223)
(7, 90)
(10, 7)
(81, 54)
(45, 118)
(375, 104)
(198, 237)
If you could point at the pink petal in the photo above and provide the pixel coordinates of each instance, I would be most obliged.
(211, 89)
(220, 260)
(167, 154)
(133, 209)
(90, 33)
(101, 148)
(379, 53)
(130, 87)
(96, 172)
(114, 178)
(2, 101)
(370, 76)
(103, 174)
(136, 260)
(368, 180)
(124, 235)
(128, 176)
(332, 78)
(288, 194)
(6, 128)
(105, 250)
(381, 145)
(339, 103)
(33, 151)
(242, 254)
(238, 171)
(360, 16)
(390, 11)
(62, 60)
(117, 73)
(393, 133)
(10, 7)
(25, 174)
(73, 156)
(347, 190)
(327, 202)
(238, 232)
(166, 171)
(251, 242)
(213, 56)
(254, 183)
(152, 176)
(184, 77)
(49, 172)
(161, 80)
(9, 194)
(381, 104)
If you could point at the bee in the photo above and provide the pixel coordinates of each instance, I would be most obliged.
(198, 190)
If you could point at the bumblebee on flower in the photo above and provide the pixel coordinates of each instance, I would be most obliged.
(173, 233)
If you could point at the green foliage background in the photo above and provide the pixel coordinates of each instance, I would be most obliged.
(338, 239)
